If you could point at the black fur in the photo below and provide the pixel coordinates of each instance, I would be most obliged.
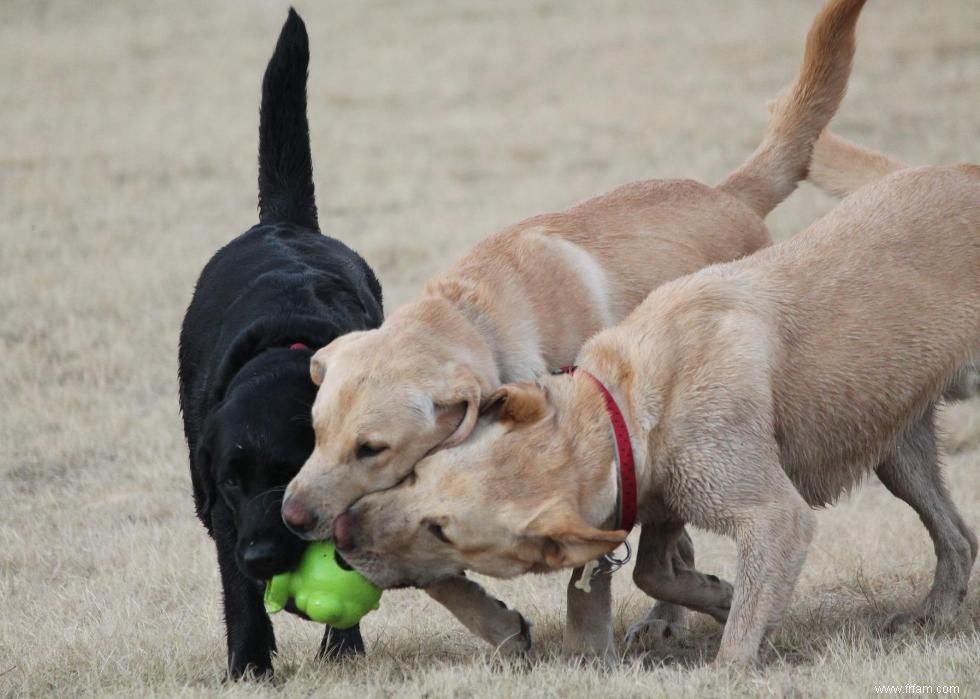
(285, 162)
(245, 396)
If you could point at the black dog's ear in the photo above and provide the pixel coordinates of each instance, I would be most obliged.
(202, 479)
(264, 333)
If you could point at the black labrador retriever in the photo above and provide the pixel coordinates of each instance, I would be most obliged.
(262, 305)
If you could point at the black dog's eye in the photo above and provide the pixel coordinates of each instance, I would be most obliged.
(231, 481)
(366, 451)
(437, 532)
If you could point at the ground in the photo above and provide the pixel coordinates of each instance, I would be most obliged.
(128, 155)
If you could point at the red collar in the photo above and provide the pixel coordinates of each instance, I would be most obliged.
(298, 346)
(626, 497)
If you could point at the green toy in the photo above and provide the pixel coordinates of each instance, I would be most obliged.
(323, 590)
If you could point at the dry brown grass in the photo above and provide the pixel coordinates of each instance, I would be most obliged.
(127, 156)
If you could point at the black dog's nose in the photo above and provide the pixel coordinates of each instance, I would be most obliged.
(262, 559)
(298, 517)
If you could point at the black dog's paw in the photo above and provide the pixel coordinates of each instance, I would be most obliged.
(341, 643)
(250, 672)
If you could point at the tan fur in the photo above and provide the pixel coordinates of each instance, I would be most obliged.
(840, 167)
(798, 115)
(525, 299)
(518, 305)
(754, 390)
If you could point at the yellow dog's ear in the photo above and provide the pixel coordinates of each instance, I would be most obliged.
(519, 403)
(318, 366)
(320, 362)
(558, 537)
(457, 405)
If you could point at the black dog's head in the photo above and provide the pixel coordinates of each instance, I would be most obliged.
(252, 446)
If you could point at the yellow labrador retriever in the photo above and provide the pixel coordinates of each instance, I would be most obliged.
(840, 168)
(526, 299)
(752, 392)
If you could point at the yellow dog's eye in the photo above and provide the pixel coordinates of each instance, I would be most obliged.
(437, 532)
(367, 451)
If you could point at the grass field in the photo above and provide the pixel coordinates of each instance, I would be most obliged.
(128, 155)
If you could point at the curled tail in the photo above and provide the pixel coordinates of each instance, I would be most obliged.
(801, 112)
(840, 167)
(285, 163)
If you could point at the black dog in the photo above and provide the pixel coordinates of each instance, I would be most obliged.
(263, 303)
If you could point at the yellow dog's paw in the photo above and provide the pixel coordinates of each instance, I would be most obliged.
(665, 624)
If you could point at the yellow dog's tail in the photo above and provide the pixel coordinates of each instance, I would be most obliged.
(801, 112)
(840, 167)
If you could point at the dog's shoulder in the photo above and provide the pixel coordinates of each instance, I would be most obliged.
(274, 285)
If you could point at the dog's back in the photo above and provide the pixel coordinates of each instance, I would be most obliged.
(875, 306)
(858, 324)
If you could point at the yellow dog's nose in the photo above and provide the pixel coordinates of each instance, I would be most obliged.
(343, 532)
(298, 517)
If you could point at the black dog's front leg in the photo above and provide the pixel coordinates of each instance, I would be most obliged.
(251, 641)
(338, 643)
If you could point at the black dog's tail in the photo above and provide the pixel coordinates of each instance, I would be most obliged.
(285, 163)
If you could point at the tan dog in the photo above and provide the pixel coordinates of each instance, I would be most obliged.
(840, 168)
(753, 391)
(525, 300)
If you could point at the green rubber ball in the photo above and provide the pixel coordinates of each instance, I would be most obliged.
(323, 590)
